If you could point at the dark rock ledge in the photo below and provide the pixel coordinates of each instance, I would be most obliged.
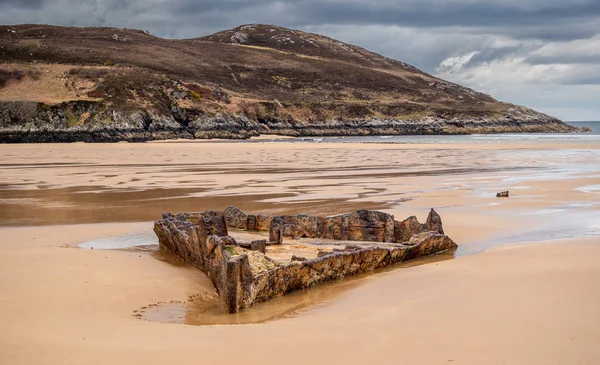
(89, 121)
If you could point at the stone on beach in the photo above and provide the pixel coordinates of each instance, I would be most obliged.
(259, 245)
(434, 222)
(276, 231)
(235, 217)
(404, 230)
(298, 258)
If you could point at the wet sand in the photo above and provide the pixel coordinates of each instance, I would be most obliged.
(503, 300)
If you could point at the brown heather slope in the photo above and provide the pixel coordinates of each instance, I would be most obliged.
(107, 84)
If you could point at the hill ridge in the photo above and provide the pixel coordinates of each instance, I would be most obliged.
(135, 86)
(287, 38)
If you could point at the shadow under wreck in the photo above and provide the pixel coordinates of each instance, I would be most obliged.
(246, 273)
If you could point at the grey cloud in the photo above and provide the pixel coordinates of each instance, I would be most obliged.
(559, 30)
(591, 79)
(492, 54)
(565, 59)
(535, 19)
(196, 7)
(27, 4)
(443, 13)
(421, 32)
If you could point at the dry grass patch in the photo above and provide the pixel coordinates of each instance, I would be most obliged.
(50, 84)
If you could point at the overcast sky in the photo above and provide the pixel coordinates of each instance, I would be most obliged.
(544, 54)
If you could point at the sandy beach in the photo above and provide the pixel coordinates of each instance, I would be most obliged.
(521, 289)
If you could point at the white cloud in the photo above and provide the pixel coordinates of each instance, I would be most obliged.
(551, 76)
(453, 65)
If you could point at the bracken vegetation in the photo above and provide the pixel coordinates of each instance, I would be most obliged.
(271, 78)
(6, 75)
(17, 75)
(312, 76)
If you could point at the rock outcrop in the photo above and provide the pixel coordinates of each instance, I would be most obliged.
(235, 217)
(245, 276)
(27, 122)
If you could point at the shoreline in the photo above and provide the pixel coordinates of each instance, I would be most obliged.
(533, 303)
(20, 136)
(135, 128)
(434, 301)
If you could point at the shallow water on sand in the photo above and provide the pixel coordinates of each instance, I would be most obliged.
(212, 311)
(554, 193)
(78, 183)
(519, 138)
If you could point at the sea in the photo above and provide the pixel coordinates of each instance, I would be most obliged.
(583, 138)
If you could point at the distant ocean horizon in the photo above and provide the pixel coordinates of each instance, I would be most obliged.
(593, 125)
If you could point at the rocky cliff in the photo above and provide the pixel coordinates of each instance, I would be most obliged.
(104, 84)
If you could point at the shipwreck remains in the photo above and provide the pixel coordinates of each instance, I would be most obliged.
(245, 273)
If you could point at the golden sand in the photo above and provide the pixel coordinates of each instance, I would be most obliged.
(535, 303)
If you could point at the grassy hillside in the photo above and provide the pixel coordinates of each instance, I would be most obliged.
(265, 75)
